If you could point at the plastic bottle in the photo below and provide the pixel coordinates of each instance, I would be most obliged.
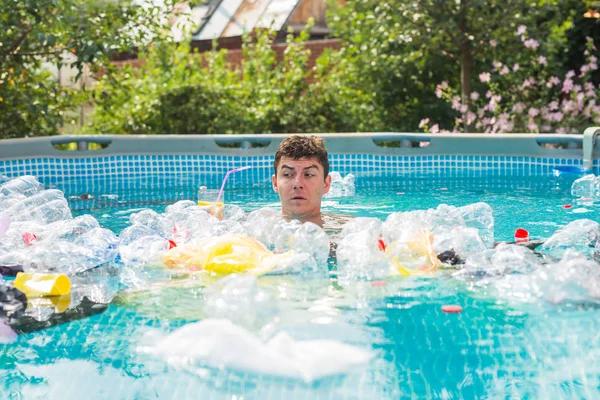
(24, 185)
(37, 284)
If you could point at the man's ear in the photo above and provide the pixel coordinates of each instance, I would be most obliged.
(274, 182)
(327, 184)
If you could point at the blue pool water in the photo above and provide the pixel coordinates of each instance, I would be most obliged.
(493, 349)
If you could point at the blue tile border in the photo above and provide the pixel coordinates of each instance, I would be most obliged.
(119, 171)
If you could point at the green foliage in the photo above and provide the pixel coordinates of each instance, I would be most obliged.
(178, 92)
(38, 32)
(403, 49)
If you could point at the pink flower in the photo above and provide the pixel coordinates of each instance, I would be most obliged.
(570, 74)
(531, 44)
(567, 85)
(533, 112)
(521, 30)
(553, 105)
(497, 65)
(558, 116)
(568, 106)
(545, 128)
(464, 108)
(553, 81)
(515, 67)
(542, 60)
(440, 88)
(471, 118)
(485, 77)
(518, 107)
(488, 94)
(456, 103)
(423, 122)
(504, 70)
(493, 43)
(435, 128)
(533, 127)
(474, 96)
(561, 130)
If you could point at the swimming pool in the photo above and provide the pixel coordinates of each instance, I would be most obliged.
(497, 347)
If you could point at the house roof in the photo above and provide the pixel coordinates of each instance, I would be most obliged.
(231, 18)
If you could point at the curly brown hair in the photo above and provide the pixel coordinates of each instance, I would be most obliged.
(297, 147)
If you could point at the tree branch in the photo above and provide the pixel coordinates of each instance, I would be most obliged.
(32, 54)
(19, 42)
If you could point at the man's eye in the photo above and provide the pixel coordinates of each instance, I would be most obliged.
(286, 175)
(309, 175)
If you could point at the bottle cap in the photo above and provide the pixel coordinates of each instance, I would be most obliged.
(521, 235)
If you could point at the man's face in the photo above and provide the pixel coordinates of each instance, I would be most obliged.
(301, 185)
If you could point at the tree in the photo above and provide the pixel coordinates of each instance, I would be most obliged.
(407, 47)
(176, 91)
(37, 31)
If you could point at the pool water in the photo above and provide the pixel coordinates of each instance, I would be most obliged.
(493, 349)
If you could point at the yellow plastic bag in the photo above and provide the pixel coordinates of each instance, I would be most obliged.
(227, 254)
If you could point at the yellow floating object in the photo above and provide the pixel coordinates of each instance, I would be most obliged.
(227, 254)
(59, 303)
(37, 284)
(414, 257)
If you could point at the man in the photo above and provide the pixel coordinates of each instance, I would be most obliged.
(302, 177)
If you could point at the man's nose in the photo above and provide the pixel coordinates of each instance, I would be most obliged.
(298, 182)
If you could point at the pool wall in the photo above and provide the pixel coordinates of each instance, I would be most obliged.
(159, 160)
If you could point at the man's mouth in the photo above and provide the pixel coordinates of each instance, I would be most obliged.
(298, 198)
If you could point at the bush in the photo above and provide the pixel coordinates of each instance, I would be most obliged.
(179, 92)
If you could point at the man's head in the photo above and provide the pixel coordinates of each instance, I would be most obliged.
(301, 175)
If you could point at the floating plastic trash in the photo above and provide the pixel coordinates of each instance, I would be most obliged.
(569, 169)
(10, 269)
(13, 302)
(36, 284)
(225, 254)
(219, 343)
(521, 235)
(4, 224)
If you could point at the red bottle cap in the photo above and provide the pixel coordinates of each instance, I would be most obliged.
(28, 238)
(521, 235)
(452, 309)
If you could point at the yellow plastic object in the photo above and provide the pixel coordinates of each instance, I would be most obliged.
(414, 257)
(37, 284)
(59, 303)
(212, 208)
(227, 254)
(209, 204)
